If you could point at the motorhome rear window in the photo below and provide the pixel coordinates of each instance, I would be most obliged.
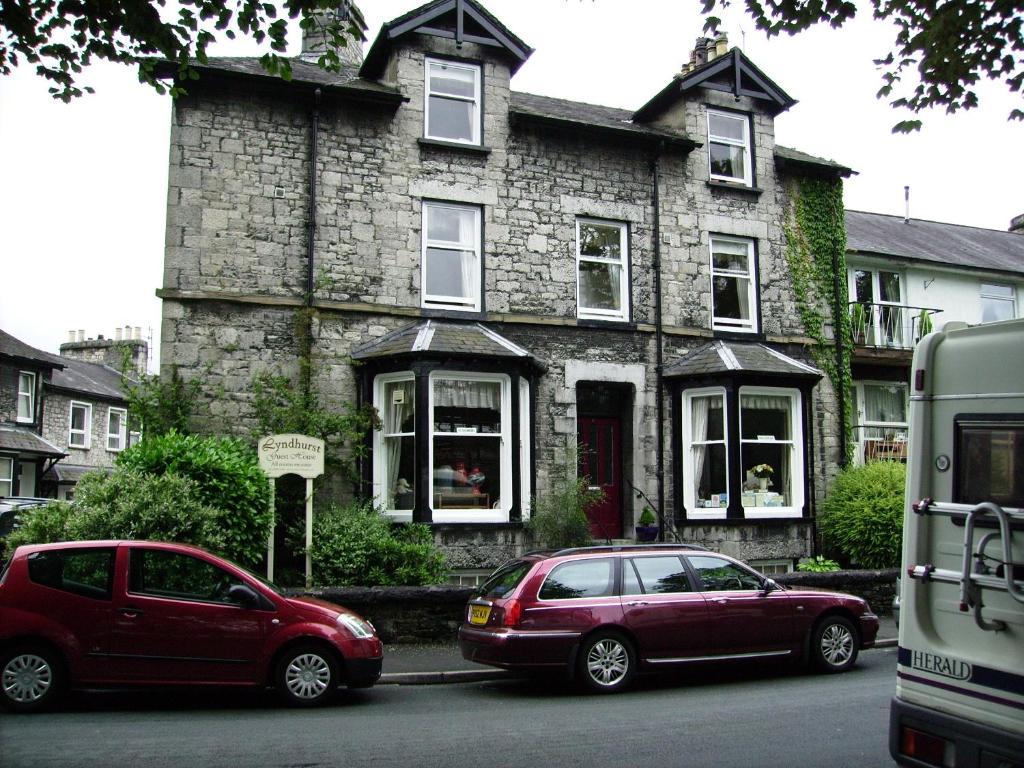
(990, 463)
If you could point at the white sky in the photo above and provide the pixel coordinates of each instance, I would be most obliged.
(83, 193)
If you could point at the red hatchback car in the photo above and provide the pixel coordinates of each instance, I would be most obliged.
(115, 613)
(607, 613)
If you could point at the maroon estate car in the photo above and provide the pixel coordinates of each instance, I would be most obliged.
(115, 613)
(606, 613)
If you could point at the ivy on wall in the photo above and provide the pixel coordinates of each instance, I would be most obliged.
(816, 254)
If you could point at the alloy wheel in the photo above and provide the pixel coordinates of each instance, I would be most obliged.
(607, 662)
(837, 644)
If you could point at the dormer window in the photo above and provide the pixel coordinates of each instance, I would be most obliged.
(729, 147)
(452, 109)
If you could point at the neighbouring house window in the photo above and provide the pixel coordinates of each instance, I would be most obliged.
(771, 434)
(134, 438)
(26, 396)
(80, 430)
(451, 256)
(6, 476)
(705, 454)
(878, 317)
(470, 447)
(733, 288)
(602, 270)
(998, 302)
(882, 413)
(729, 147)
(453, 101)
(117, 429)
(395, 449)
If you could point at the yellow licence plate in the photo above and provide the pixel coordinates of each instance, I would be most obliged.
(478, 614)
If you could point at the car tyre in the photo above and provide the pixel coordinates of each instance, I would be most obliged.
(834, 645)
(31, 678)
(607, 662)
(307, 676)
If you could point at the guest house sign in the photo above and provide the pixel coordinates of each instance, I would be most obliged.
(292, 455)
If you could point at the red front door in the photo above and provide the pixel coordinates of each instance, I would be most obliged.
(601, 463)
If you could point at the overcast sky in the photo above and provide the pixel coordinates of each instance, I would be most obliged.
(83, 198)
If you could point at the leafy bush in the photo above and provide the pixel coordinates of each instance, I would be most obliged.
(127, 505)
(355, 545)
(560, 518)
(862, 516)
(227, 480)
(818, 564)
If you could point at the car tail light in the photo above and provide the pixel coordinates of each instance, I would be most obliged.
(513, 610)
(927, 748)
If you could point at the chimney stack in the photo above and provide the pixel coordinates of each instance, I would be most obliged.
(314, 41)
(110, 352)
(700, 51)
(1017, 224)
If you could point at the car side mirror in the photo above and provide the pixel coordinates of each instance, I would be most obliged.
(769, 586)
(244, 595)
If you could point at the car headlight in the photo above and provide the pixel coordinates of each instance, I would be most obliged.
(358, 627)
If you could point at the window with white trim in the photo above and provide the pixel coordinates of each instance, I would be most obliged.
(26, 396)
(80, 425)
(451, 256)
(705, 453)
(6, 476)
(602, 270)
(771, 435)
(733, 288)
(882, 420)
(729, 147)
(395, 444)
(117, 429)
(878, 316)
(998, 302)
(452, 109)
(470, 447)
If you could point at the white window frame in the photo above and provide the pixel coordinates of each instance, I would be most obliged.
(451, 302)
(500, 515)
(689, 470)
(748, 166)
(6, 476)
(476, 121)
(121, 436)
(379, 447)
(86, 434)
(796, 447)
(989, 295)
(875, 326)
(749, 325)
(899, 428)
(525, 450)
(622, 313)
(26, 394)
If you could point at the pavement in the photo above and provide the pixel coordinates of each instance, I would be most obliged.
(438, 663)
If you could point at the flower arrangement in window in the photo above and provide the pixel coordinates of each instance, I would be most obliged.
(762, 471)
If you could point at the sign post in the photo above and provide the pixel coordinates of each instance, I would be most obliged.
(292, 455)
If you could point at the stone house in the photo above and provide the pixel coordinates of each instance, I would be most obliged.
(507, 276)
(906, 275)
(63, 415)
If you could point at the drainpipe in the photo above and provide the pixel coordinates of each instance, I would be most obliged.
(837, 309)
(658, 356)
(311, 225)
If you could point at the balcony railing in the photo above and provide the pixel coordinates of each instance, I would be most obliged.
(889, 326)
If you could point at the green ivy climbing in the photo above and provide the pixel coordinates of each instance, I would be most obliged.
(816, 252)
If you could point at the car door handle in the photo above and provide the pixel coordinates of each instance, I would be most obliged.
(632, 603)
(720, 600)
(131, 613)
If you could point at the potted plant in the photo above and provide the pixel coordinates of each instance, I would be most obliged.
(647, 526)
(763, 472)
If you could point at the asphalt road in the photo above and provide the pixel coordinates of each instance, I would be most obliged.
(747, 716)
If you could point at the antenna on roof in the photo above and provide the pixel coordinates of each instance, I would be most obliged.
(906, 204)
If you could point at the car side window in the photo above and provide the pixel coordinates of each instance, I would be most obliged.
(718, 575)
(581, 578)
(661, 575)
(160, 573)
(85, 572)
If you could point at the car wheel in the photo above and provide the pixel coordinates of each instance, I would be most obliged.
(31, 679)
(307, 676)
(607, 662)
(834, 644)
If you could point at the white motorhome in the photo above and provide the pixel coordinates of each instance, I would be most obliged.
(960, 677)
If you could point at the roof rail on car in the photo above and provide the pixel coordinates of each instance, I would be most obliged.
(625, 547)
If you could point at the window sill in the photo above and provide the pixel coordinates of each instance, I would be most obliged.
(472, 149)
(604, 322)
(733, 334)
(734, 187)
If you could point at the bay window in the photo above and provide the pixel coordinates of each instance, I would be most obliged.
(602, 253)
(452, 109)
(395, 443)
(771, 451)
(733, 288)
(26, 396)
(451, 256)
(729, 147)
(706, 462)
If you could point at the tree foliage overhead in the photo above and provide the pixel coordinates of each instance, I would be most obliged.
(60, 37)
(942, 50)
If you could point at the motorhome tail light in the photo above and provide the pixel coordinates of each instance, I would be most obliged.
(927, 748)
(513, 611)
(919, 380)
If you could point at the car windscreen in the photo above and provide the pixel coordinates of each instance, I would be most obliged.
(505, 579)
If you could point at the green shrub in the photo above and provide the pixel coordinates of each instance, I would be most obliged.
(227, 479)
(355, 545)
(559, 519)
(862, 516)
(818, 564)
(127, 505)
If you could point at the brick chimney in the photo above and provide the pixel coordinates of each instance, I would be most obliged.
(110, 352)
(700, 51)
(1017, 224)
(314, 43)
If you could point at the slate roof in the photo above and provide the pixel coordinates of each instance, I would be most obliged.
(15, 348)
(92, 379)
(26, 441)
(878, 234)
(70, 474)
(436, 338)
(721, 357)
(794, 158)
